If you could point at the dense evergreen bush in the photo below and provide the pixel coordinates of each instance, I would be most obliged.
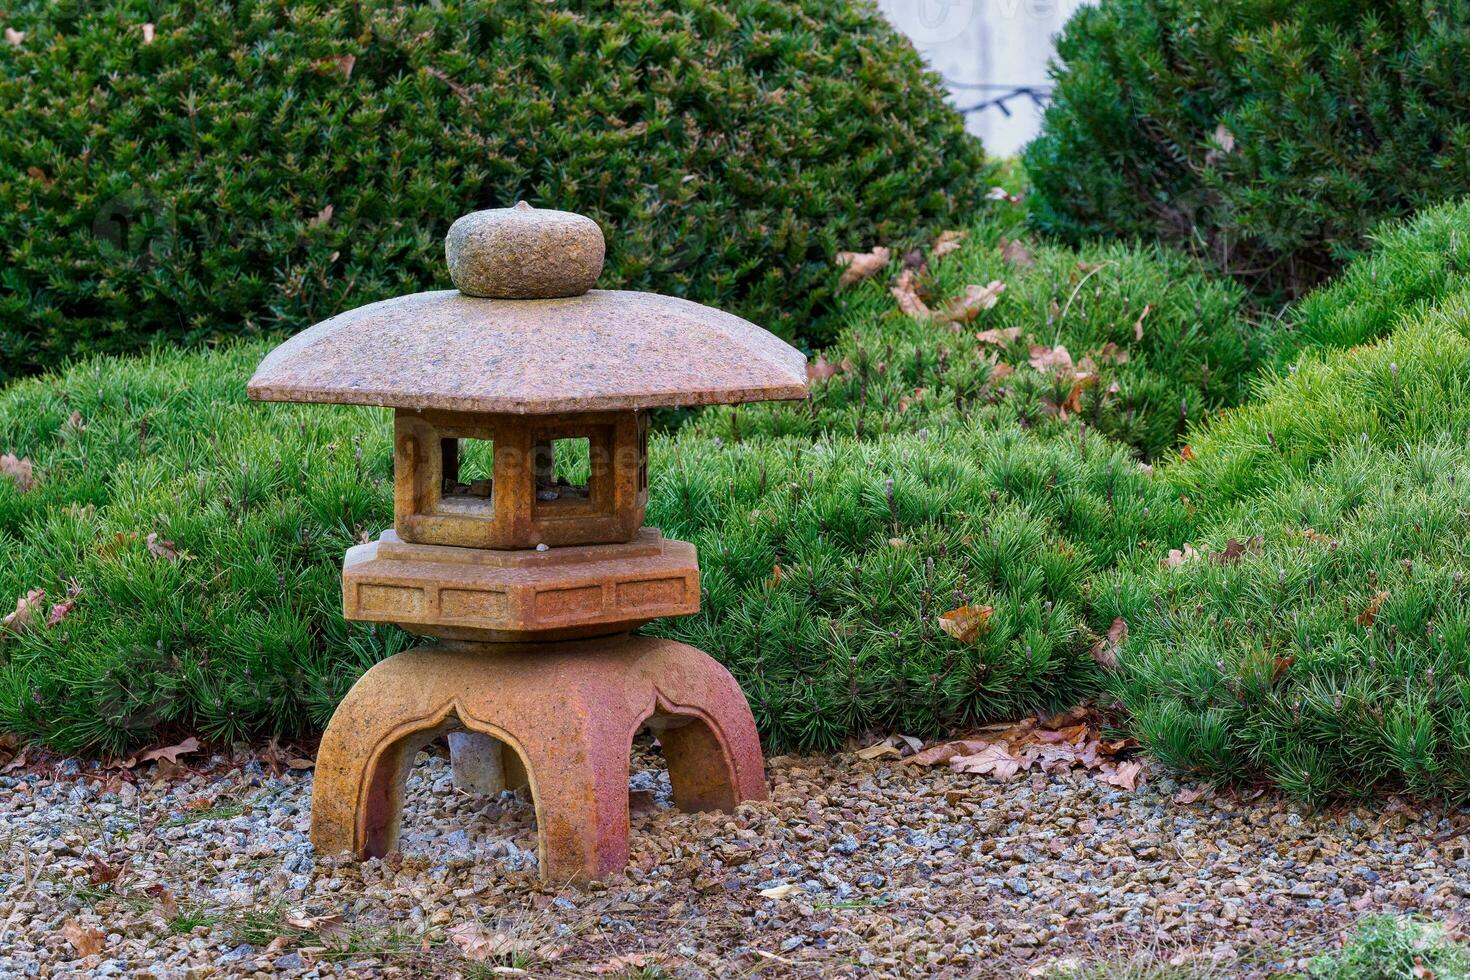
(1151, 345)
(187, 172)
(1268, 135)
(1317, 634)
(241, 633)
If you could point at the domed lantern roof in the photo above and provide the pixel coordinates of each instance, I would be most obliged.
(524, 334)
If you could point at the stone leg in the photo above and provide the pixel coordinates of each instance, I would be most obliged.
(566, 714)
(484, 765)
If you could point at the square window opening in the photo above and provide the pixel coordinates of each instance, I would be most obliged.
(469, 470)
(563, 472)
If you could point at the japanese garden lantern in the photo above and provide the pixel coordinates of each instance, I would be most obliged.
(521, 403)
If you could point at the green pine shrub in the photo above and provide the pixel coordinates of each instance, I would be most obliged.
(1163, 345)
(1388, 946)
(259, 166)
(1268, 136)
(1414, 264)
(242, 634)
(1325, 650)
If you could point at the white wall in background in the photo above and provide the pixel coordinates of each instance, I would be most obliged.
(986, 42)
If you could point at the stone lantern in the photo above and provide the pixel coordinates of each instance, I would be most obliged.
(521, 404)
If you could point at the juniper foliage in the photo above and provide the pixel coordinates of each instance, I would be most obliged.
(1331, 658)
(258, 166)
(244, 635)
(1268, 136)
(1159, 343)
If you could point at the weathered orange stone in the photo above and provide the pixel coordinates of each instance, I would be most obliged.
(521, 482)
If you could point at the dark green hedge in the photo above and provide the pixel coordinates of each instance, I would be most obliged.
(1268, 135)
(258, 166)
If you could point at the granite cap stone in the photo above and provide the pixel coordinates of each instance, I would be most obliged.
(524, 253)
(601, 351)
(524, 335)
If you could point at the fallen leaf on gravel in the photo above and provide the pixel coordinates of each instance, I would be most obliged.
(1051, 358)
(857, 266)
(1105, 650)
(1370, 614)
(906, 291)
(18, 471)
(1124, 775)
(966, 622)
(629, 964)
(948, 241)
(778, 891)
(167, 753)
(993, 760)
(477, 943)
(975, 300)
(86, 940)
(17, 763)
(24, 616)
(99, 872)
(943, 753)
(1178, 556)
(894, 746)
(880, 750)
(1191, 794)
(168, 905)
(300, 763)
(1000, 336)
(321, 924)
(1016, 253)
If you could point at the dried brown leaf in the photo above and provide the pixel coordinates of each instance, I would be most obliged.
(1105, 651)
(937, 754)
(1369, 615)
(993, 760)
(948, 241)
(86, 940)
(1000, 336)
(1016, 253)
(965, 623)
(479, 944)
(975, 300)
(1178, 556)
(1138, 324)
(18, 471)
(1235, 550)
(821, 369)
(27, 609)
(1125, 775)
(1051, 358)
(905, 290)
(857, 266)
(167, 753)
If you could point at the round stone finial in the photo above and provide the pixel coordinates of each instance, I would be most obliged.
(524, 253)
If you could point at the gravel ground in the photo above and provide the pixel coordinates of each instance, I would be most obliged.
(898, 870)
